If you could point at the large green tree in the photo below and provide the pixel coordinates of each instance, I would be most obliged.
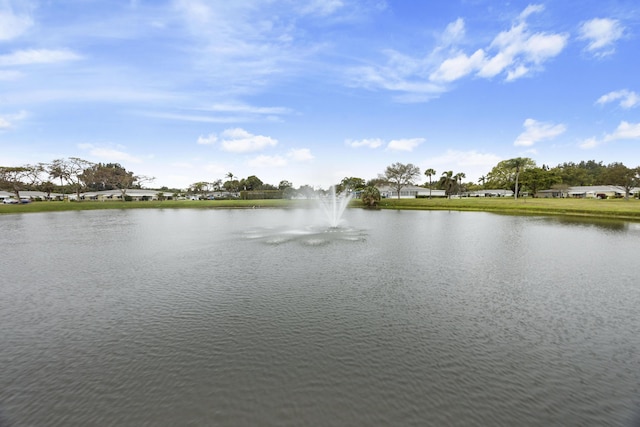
(350, 184)
(400, 175)
(507, 173)
(536, 179)
(199, 187)
(75, 168)
(623, 176)
(59, 169)
(518, 165)
(447, 182)
(111, 176)
(13, 178)
(251, 183)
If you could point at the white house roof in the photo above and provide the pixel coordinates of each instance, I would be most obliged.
(136, 192)
(29, 194)
(496, 192)
(598, 189)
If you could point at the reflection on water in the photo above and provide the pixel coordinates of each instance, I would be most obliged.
(606, 224)
(260, 317)
(310, 235)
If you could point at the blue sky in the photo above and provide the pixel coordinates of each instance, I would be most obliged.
(313, 91)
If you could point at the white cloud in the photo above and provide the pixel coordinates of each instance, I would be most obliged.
(536, 131)
(210, 139)
(300, 155)
(244, 108)
(518, 52)
(238, 140)
(7, 121)
(192, 117)
(516, 73)
(531, 9)
(402, 74)
(459, 66)
(37, 56)
(454, 32)
(108, 154)
(12, 25)
(404, 144)
(601, 34)
(263, 161)
(226, 113)
(245, 46)
(322, 7)
(589, 143)
(472, 163)
(625, 130)
(540, 46)
(370, 143)
(628, 99)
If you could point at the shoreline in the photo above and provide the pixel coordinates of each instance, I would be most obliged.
(616, 209)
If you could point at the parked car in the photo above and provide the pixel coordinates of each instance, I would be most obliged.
(10, 201)
(25, 200)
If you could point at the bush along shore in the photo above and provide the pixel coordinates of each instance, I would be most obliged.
(612, 208)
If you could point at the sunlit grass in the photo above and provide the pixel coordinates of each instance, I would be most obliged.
(611, 208)
(156, 204)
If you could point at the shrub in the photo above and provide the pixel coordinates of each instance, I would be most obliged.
(370, 197)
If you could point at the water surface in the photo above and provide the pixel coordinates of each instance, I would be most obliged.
(265, 317)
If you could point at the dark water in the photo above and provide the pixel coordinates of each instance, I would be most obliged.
(261, 317)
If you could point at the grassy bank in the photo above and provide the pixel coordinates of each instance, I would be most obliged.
(615, 208)
(164, 204)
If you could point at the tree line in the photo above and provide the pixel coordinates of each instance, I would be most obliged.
(521, 174)
(518, 175)
(74, 175)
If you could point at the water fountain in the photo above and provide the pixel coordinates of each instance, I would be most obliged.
(333, 205)
(318, 228)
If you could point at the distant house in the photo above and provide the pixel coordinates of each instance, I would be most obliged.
(31, 195)
(588, 192)
(135, 194)
(408, 192)
(489, 193)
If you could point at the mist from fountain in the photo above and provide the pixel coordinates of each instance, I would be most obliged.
(334, 205)
(316, 228)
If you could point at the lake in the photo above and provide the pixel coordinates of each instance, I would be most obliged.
(268, 317)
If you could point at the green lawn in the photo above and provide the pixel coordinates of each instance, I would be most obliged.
(610, 208)
(614, 208)
(166, 204)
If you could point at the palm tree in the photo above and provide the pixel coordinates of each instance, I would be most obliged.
(458, 178)
(518, 164)
(230, 176)
(216, 184)
(370, 197)
(59, 169)
(430, 173)
(447, 181)
(482, 179)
